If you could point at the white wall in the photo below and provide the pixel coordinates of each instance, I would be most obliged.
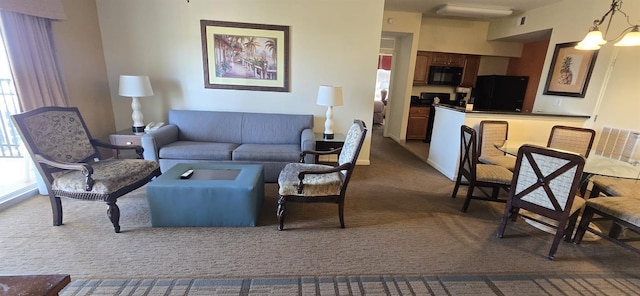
(405, 27)
(613, 88)
(463, 36)
(81, 60)
(161, 38)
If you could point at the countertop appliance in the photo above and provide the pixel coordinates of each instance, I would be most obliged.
(442, 98)
(444, 75)
(499, 93)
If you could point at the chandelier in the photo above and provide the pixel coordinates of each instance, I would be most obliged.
(595, 39)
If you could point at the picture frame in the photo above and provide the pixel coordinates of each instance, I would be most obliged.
(245, 56)
(570, 70)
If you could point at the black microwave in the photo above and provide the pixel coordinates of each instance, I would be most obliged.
(443, 75)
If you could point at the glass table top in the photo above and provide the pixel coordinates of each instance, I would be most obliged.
(594, 164)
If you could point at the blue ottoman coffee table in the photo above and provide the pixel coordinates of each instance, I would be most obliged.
(215, 195)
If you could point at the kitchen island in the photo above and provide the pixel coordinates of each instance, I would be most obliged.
(444, 149)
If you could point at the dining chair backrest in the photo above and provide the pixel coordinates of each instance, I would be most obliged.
(545, 182)
(574, 139)
(546, 178)
(492, 132)
(468, 152)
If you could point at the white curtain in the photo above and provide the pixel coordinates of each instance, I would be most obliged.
(30, 46)
(51, 9)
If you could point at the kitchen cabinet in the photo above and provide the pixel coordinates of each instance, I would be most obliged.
(447, 59)
(423, 60)
(417, 123)
(470, 73)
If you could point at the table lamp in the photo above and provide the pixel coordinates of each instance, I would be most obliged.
(135, 87)
(329, 96)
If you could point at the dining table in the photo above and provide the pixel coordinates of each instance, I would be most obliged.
(595, 164)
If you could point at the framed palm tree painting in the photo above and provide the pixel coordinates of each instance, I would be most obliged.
(245, 56)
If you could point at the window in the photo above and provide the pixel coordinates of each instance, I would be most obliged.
(17, 173)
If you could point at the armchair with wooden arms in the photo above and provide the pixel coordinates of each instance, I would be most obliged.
(68, 160)
(306, 182)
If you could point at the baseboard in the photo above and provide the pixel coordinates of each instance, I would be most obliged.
(18, 196)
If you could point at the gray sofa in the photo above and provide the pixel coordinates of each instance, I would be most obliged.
(272, 140)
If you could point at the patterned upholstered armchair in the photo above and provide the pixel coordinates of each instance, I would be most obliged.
(545, 183)
(68, 160)
(304, 182)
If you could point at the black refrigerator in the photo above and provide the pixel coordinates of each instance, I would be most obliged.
(499, 93)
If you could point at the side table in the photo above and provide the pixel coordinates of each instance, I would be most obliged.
(125, 137)
(323, 144)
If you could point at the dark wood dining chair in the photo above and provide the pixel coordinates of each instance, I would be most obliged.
(574, 139)
(477, 174)
(620, 211)
(68, 159)
(545, 182)
(494, 132)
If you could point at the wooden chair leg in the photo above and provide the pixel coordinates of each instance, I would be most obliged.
(560, 232)
(571, 226)
(495, 191)
(467, 200)
(56, 209)
(113, 212)
(455, 188)
(341, 213)
(587, 215)
(506, 216)
(280, 212)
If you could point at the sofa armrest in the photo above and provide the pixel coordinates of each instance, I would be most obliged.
(153, 141)
(308, 142)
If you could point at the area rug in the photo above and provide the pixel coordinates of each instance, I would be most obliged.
(589, 284)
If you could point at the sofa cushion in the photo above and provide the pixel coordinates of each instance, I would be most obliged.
(208, 126)
(198, 150)
(263, 128)
(267, 152)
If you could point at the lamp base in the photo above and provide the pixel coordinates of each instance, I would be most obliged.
(137, 129)
(328, 136)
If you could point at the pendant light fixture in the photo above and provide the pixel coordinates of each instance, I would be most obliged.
(595, 39)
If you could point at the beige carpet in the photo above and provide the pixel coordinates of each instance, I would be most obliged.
(399, 216)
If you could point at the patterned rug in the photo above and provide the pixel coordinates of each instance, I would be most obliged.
(589, 284)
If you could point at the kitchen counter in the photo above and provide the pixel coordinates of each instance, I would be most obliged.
(462, 109)
(444, 148)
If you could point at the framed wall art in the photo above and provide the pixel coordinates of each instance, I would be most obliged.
(245, 56)
(570, 70)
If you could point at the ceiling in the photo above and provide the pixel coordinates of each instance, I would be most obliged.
(429, 7)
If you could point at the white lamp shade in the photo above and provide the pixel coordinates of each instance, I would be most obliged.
(329, 95)
(135, 86)
(630, 39)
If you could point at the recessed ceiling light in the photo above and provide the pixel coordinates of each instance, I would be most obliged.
(472, 11)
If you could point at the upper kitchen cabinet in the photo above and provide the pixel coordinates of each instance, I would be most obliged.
(447, 59)
(471, 65)
(423, 61)
(426, 59)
